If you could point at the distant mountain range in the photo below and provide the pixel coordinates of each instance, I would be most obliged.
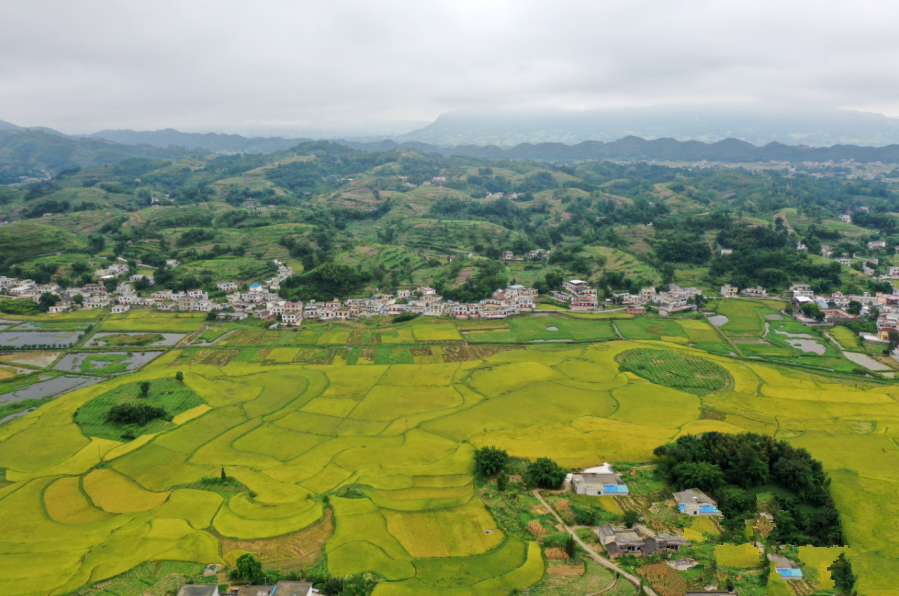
(755, 125)
(25, 150)
(635, 148)
(218, 143)
(41, 148)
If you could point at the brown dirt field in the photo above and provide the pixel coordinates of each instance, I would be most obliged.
(41, 359)
(6, 373)
(356, 338)
(289, 552)
(556, 554)
(464, 353)
(214, 357)
(420, 351)
(536, 528)
(367, 354)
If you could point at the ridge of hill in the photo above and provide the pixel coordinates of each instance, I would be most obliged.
(219, 143)
(31, 149)
(635, 148)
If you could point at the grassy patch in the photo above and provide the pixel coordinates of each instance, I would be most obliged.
(172, 396)
(677, 370)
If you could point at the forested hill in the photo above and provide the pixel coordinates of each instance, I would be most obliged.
(28, 152)
(218, 143)
(634, 148)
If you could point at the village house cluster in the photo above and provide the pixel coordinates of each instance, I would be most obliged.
(263, 302)
(511, 300)
(674, 300)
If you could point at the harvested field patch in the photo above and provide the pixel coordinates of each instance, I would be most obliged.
(291, 551)
(214, 357)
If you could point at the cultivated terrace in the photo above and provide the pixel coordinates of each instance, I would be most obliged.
(398, 373)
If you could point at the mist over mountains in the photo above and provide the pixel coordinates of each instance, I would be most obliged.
(682, 134)
(756, 125)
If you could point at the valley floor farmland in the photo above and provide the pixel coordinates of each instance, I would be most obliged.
(391, 446)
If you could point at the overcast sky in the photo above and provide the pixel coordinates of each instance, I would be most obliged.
(246, 67)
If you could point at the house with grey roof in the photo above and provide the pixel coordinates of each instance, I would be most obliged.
(599, 481)
(199, 590)
(695, 502)
(288, 588)
(633, 541)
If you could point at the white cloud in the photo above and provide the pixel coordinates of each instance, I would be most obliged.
(237, 66)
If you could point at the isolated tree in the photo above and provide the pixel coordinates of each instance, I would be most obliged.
(489, 461)
(78, 299)
(570, 547)
(501, 480)
(631, 516)
(179, 376)
(841, 574)
(47, 300)
(249, 569)
(224, 476)
(333, 586)
(553, 280)
(144, 388)
(545, 473)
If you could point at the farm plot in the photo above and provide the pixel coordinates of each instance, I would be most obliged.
(677, 370)
(105, 363)
(133, 339)
(172, 397)
(653, 328)
(534, 329)
(397, 441)
(148, 320)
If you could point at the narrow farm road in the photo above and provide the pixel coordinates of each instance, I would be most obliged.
(633, 579)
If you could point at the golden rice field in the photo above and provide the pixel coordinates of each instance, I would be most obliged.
(78, 510)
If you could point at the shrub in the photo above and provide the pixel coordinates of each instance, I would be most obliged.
(545, 473)
(139, 414)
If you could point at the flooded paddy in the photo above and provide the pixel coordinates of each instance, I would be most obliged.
(47, 386)
(18, 339)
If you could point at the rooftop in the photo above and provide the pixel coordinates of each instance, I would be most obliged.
(198, 590)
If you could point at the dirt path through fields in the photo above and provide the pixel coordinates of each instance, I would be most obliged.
(633, 579)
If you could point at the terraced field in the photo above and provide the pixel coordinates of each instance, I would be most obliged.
(388, 435)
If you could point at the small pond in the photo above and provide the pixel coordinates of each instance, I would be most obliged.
(74, 362)
(865, 361)
(774, 317)
(17, 415)
(27, 338)
(168, 339)
(46, 388)
(800, 335)
(552, 328)
(718, 320)
(51, 325)
(807, 345)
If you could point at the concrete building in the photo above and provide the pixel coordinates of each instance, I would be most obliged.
(599, 481)
(695, 502)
